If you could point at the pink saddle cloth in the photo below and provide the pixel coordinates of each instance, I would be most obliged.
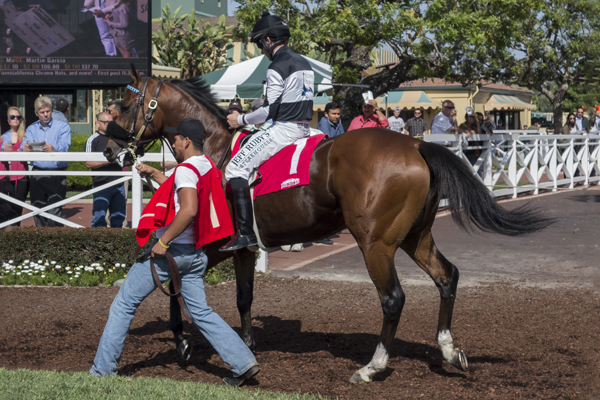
(288, 168)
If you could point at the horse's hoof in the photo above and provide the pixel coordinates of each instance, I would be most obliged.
(357, 379)
(184, 349)
(459, 360)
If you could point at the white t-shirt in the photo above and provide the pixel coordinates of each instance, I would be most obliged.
(186, 178)
(396, 124)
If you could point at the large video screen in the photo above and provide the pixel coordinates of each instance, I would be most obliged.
(75, 42)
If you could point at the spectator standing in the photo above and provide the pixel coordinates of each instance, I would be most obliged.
(489, 123)
(372, 117)
(330, 124)
(593, 123)
(16, 186)
(471, 127)
(46, 190)
(113, 198)
(60, 109)
(571, 126)
(114, 109)
(396, 123)
(192, 200)
(581, 121)
(500, 125)
(481, 122)
(445, 121)
(416, 126)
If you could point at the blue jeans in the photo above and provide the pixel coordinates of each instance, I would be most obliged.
(139, 284)
(113, 199)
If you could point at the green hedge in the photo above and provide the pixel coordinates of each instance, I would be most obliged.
(81, 183)
(71, 247)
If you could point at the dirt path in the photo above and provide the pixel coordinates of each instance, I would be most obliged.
(312, 335)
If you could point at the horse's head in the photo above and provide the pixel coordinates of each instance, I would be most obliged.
(140, 123)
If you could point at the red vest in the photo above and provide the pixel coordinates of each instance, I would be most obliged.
(212, 221)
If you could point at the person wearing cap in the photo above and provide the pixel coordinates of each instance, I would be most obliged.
(396, 123)
(112, 198)
(288, 102)
(187, 212)
(235, 105)
(330, 123)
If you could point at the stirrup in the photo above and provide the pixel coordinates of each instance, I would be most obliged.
(240, 242)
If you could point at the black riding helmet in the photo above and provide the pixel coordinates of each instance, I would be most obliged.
(269, 26)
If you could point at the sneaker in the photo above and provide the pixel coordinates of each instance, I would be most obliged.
(240, 380)
(324, 241)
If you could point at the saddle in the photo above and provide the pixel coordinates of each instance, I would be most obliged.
(287, 169)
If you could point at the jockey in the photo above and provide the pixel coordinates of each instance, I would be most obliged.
(288, 102)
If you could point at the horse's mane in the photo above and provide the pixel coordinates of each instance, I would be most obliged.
(200, 91)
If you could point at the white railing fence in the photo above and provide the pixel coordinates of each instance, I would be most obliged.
(136, 186)
(513, 162)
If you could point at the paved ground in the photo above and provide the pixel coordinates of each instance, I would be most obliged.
(567, 253)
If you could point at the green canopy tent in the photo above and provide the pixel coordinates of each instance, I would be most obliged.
(246, 79)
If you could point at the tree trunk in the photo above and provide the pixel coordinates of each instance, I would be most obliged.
(558, 113)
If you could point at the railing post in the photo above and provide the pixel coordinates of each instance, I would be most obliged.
(554, 164)
(262, 263)
(534, 165)
(136, 197)
(512, 166)
(570, 161)
(487, 165)
(585, 163)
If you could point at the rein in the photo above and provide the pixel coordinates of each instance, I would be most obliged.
(175, 284)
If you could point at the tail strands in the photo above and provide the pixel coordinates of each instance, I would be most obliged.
(470, 201)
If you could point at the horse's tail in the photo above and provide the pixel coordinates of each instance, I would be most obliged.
(451, 178)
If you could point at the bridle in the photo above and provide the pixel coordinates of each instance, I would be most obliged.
(133, 144)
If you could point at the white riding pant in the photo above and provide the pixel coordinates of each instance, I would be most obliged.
(263, 145)
(106, 37)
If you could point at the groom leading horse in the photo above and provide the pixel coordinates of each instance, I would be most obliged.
(385, 188)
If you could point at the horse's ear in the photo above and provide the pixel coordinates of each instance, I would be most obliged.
(134, 75)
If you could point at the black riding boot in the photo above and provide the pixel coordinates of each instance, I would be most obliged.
(242, 206)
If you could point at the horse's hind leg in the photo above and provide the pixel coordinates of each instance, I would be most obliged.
(379, 258)
(422, 249)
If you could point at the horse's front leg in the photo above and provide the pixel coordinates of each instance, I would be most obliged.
(380, 263)
(244, 262)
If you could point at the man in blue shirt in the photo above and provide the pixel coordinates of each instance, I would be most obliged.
(56, 137)
(60, 109)
(330, 124)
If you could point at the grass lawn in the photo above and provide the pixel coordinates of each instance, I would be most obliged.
(41, 385)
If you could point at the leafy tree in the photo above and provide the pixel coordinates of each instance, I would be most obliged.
(348, 31)
(185, 42)
(544, 45)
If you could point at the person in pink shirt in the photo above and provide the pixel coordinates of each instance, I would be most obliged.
(15, 186)
(372, 117)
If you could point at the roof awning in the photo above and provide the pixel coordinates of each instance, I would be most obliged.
(501, 102)
(319, 102)
(408, 100)
(246, 79)
(164, 72)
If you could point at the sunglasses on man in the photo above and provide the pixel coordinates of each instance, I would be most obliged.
(16, 116)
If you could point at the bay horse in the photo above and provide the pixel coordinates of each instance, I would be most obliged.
(383, 187)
